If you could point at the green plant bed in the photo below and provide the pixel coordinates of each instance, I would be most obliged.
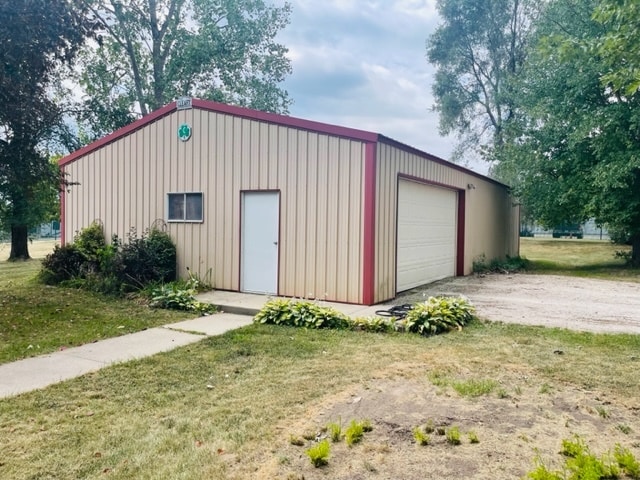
(434, 316)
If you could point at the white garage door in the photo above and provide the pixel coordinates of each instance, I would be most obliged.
(426, 234)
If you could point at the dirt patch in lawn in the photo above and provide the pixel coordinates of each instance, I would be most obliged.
(523, 417)
(548, 300)
(513, 430)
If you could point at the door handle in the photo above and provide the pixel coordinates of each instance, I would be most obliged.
(275, 243)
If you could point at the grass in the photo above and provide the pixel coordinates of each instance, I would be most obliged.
(37, 319)
(472, 387)
(583, 258)
(156, 418)
(215, 409)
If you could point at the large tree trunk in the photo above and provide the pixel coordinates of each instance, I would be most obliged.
(19, 243)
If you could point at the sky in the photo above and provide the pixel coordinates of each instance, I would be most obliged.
(362, 64)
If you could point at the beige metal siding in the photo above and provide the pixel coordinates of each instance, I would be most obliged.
(489, 213)
(124, 184)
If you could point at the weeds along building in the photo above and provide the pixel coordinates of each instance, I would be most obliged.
(265, 203)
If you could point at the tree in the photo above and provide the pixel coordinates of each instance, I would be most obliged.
(576, 152)
(619, 46)
(478, 50)
(37, 36)
(152, 51)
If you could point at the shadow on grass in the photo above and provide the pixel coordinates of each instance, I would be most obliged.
(606, 270)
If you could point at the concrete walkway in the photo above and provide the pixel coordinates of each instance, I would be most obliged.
(39, 372)
(237, 310)
(250, 304)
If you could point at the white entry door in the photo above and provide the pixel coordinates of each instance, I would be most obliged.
(260, 237)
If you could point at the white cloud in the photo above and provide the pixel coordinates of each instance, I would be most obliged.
(362, 64)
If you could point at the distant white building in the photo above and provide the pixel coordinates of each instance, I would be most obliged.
(590, 230)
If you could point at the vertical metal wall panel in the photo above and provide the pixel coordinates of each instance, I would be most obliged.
(321, 218)
(312, 222)
(488, 219)
(125, 184)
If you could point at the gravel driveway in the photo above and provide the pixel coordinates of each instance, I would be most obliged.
(547, 300)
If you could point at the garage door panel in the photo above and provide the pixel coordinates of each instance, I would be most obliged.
(427, 229)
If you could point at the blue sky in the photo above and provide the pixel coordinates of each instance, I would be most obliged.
(362, 64)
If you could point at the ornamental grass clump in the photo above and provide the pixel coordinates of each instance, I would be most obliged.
(319, 453)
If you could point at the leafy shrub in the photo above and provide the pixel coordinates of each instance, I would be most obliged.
(147, 259)
(373, 324)
(113, 268)
(63, 264)
(319, 453)
(89, 242)
(301, 313)
(437, 315)
(508, 265)
(619, 235)
(180, 295)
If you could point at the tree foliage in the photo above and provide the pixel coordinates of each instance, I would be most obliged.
(151, 52)
(36, 37)
(478, 49)
(619, 45)
(575, 153)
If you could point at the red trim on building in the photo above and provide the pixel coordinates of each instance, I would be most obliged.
(424, 181)
(369, 230)
(210, 106)
(286, 121)
(63, 201)
(132, 127)
(462, 208)
(409, 149)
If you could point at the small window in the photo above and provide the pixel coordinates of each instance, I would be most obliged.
(185, 207)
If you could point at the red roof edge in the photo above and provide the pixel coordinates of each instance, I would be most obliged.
(433, 158)
(243, 112)
(121, 132)
(286, 121)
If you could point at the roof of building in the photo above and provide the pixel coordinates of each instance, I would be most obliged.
(274, 118)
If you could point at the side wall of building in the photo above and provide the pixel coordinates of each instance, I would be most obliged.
(125, 184)
(490, 217)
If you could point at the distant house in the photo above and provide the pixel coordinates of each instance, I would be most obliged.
(280, 205)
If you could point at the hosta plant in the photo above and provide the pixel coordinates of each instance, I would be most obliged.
(301, 313)
(437, 315)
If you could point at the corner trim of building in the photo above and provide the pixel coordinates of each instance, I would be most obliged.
(462, 208)
(63, 220)
(369, 227)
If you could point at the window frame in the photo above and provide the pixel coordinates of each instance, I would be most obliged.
(184, 209)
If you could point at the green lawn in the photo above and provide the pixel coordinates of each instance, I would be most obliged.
(37, 319)
(217, 408)
(225, 406)
(585, 258)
